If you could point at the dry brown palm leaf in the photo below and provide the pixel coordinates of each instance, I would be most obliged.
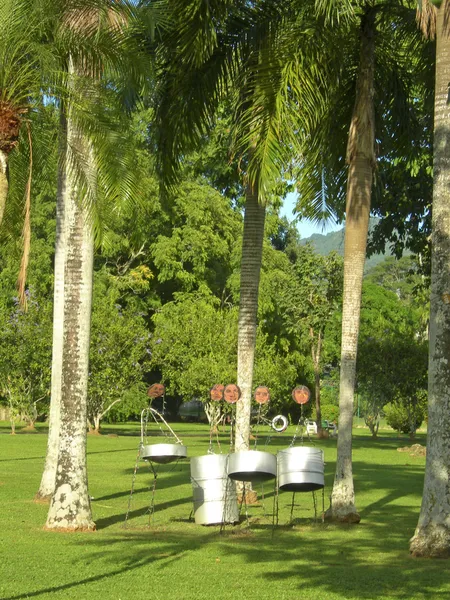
(426, 18)
(26, 232)
(10, 120)
(92, 18)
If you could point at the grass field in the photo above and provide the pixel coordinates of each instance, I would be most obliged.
(171, 558)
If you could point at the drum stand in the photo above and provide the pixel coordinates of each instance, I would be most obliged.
(151, 463)
(313, 492)
(298, 433)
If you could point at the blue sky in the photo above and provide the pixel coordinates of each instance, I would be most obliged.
(305, 227)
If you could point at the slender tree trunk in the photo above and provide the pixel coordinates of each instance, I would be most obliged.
(4, 185)
(252, 245)
(361, 160)
(315, 353)
(70, 508)
(47, 486)
(432, 535)
(97, 423)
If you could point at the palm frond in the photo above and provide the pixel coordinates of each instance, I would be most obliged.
(426, 18)
(335, 11)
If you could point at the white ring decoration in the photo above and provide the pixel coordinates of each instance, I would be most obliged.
(277, 426)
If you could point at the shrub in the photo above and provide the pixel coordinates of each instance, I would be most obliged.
(329, 412)
(405, 417)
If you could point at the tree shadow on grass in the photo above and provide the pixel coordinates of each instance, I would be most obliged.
(168, 478)
(366, 561)
(369, 560)
(320, 568)
(42, 457)
(388, 482)
(170, 550)
(323, 561)
(104, 523)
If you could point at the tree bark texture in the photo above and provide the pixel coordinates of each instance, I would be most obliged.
(70, 508)
(361, 160)
(316, 350)
(4, 184)
(432, 535)
(252, 245)
(64, 193)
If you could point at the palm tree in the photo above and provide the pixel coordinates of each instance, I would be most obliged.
(70, 503)
(382, 61)
(47, 484)
(251, 260)
(432, 535)
(254, 55)
(84, 40)
(18, 74)
(361, 161)
(92, 45)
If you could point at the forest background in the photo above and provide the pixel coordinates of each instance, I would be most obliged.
(166, 295)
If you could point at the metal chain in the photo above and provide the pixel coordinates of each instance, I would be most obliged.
(136, 467)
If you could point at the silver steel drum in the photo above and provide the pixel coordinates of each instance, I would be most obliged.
(300, 469)
(214, 495)
(252, 465)
(163, 453)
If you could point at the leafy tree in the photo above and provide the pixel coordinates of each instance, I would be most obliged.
(392, 355)
(25, 358)
(119, 354)
(406, 417)
(195, 254)
(310, 303)
(194, 344)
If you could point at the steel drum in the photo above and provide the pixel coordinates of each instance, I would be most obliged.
(214, 494)
(300, 469)
(163, 453)
(252, 465)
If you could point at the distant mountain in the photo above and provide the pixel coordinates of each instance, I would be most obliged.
(324, 244)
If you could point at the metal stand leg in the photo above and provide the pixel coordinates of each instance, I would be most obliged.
(152, 502)
(224, 513)
(136, 467)
(292, 508)
(244, 498)
(315, 506)
(263, 500)
(275, 506)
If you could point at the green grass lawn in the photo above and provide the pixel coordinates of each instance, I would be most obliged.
(171, 558)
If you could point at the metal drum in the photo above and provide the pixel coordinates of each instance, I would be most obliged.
(252, 465)
(300, 469)
(163, 453)
(214, 495)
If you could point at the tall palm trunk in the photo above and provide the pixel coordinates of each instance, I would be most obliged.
(432, 535)
(4, 185)
(70, 504)
(361, 160)
(316, 349)
(47, 486)
(252, 245)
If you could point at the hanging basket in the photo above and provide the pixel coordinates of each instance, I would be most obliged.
(252, 465)
(300, 469)
(163, 453)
